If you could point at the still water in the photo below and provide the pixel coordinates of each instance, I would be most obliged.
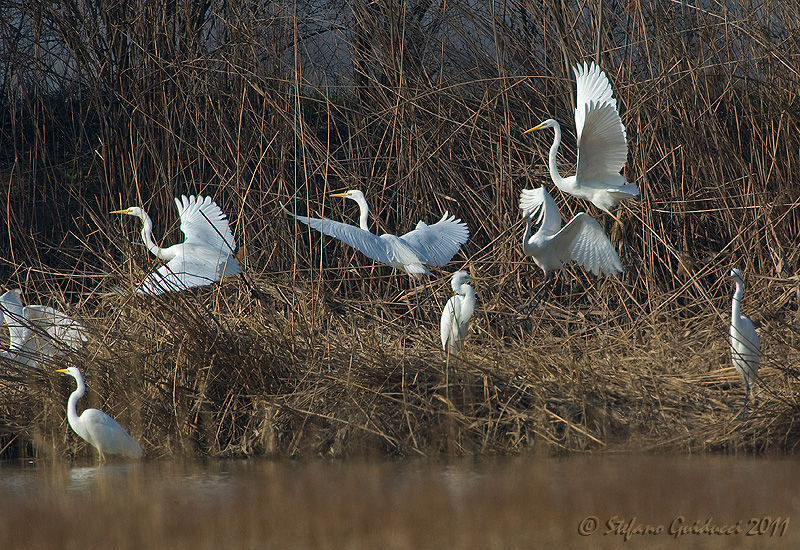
(630, 501)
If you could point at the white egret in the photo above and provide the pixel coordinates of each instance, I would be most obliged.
(427, 244)
(97, 428)
(205, 255)
(457, 313)
(36, 332)
(581, 240)
(745, 345)
(602, 145)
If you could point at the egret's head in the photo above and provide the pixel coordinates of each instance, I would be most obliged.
(459, 278)
(736, 275)
(549, 123)
(132, 211)
(354, 194)
(72, 371)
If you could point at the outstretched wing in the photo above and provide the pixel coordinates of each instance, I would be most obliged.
(539, 202)
(184, 271)
(203, 223)
(584, 241)
(13, 311)
(602, 147)
(365, 242)
(55, 325)
(437, 244)
(593, 88)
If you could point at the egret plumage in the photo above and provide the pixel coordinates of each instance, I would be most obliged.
(205, 255)
(602, 144)
(582, 240)
(433, 245)
(37, 332)
(745, 344)
(454, 325)
(97, 428)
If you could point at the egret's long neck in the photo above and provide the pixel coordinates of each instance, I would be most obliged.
(147, 236)
(736, 306)
(526, 237)
(554, 174)
(72, 411)
(364, 208)
(467, 307)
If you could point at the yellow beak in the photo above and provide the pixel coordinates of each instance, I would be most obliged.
(61, 370)
(119, 211)
(537, 127)
(339, 195)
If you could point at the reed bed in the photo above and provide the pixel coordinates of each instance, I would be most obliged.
(316, 350)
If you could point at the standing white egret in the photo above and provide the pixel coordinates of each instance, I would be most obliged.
(745, 345)
(581, 240)
(205, 255)
(427, 244)
(96, 427)
(602, 145)
(457, 313)
(36, 332)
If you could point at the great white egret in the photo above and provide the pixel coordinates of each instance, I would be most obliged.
(602, 145)
(97, 428)
(36, 332)
(457, 313)
(581, 240)
(205, 255)
(745, 345)
(427, 244)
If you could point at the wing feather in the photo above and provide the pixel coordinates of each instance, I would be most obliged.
(585, 242)
(204, 223)
(437, 244)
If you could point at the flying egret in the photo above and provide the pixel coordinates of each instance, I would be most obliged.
(602, 146)
(745, 345)
(427, 244)
(97, 428)
(581, 240)
(36, 332)
(205, 255)
(457, 313)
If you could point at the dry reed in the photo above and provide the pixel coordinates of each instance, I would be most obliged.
(422, 107)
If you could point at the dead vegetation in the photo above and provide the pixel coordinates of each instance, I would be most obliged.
(318, 352)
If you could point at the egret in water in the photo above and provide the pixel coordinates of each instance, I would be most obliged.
(745, 345)
(97, 428)
(427, 244)
(602, 146)
(205, 255)
(457, 313)
(36, 332)
(581, 240)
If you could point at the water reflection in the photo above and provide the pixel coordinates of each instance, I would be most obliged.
(519, 502)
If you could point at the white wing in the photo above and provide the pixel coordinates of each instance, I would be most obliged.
(593, 88)
(437, 244)
(449, 328)
(54, 325)
(602, 147)
(194, 266)
(107, 435)
(365, 242)
(203, 223)
(746, 349)
(539, 202)
(584, 241)
(13, 312)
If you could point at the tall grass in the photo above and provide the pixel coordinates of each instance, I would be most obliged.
(422, 106)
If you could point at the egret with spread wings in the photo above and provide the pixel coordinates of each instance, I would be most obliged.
(581, 240)
(602, 145)
(205, 255)
(37, 332)
(433, 245)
